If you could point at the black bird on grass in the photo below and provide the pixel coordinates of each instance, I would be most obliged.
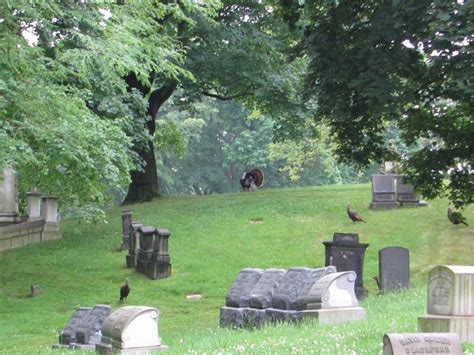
(124, 291)
(354, 216)
(456, 217)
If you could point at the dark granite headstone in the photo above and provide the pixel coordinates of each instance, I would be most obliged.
(238, 294)
(394, 269)
(383, 192)
(262, 293)
(88, 331)
(286, 295)
(68, 334)
(347, 254)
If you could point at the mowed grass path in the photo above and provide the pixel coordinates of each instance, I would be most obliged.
(212, 239)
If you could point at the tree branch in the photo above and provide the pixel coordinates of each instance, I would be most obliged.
(224, 98)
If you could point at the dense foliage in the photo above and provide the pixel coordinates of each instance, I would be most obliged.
(408, 62)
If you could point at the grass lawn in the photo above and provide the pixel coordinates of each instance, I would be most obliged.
(212, 239)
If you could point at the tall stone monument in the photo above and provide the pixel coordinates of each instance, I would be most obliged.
(8, 198)
(450, 302)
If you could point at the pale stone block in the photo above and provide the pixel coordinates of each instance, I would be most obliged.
(461, 325)
(335, 315)
(421, 343)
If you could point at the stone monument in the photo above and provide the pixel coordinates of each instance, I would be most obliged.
(131, 330)
(406, 196)
(8, 198)
(134, 245)
(383, 192)
(347, 254)
(126, 228)
(450, 301)
(394, 269)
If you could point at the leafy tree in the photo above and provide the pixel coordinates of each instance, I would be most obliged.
(406, 62)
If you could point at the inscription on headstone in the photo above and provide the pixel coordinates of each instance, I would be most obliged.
(290, 288)
(394, 269)
(239, 294)
(421, 343)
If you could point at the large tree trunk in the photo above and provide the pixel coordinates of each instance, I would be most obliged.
(144, 185)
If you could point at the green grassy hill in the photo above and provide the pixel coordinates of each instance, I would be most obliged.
(212, 239)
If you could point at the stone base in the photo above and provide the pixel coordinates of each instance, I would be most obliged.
(158, 270)
(409, 204)
(73, 346)
(275, 315)
(383, 205)
(131, 261)
(335, 315)
(231, 317)
(7, 218)
(51, 231)
(423, 203)
(254, 318)
(125, 243)
(461, 325)
(107, 349)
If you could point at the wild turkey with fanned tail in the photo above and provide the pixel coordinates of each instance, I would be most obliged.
(456, 217)
(251, 180)
(354, 216)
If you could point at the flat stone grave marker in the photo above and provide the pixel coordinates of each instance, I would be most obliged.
(394, 269)
(88, 331)
(262, 293)
(421, 343)
(239, 293)
(287, 293)
(68, 334)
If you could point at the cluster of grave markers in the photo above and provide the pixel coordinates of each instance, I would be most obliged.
(389, 191)
(147, 248)
(261, 296)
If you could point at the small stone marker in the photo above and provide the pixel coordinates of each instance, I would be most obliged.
(450, 301)
(394, 269)
(131, 330)
(35, 290)
(421, 343)
(383, 192)
(239, 294)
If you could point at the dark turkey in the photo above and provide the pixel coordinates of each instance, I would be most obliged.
(354, 216)
(124, 291)
(456, 217)
(251, 180)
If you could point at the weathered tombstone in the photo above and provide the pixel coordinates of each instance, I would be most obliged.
(450, 301)
(131, 330)
(35, 290)
(34, 204)
(394, 269)
(49, 213)
(8, 198)
(383, 192)
(314, 276)
(126, 228)
(332, 299)
(160, 265)
(145, 253)
(347, 254)
(131, 258)
(262, 293)
(406, 195)
(68, 334)
(421, 343)
(88, 331)
(238, 298)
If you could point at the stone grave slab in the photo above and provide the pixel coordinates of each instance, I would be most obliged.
(383, 192)
(239, 293)
(421, 343)
(314, 277)
(88, 331)
(394, 269)
(450, 301)
(262, 293)
(131, 329)
(68, 333)
(406, 195)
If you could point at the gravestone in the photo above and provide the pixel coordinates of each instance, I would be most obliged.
(332, 299)
(131, 330)
(9, 213)
(145, 253)
(315, 276)
(88, 331)
(68, 334)
(160, 266)
(126, 228)
(394, 269)
(262, 293)
(347, 254)
(238, 298)
(421, 343)
(450, 301)
(383, 192)
(406, 195)
(83, 329)
(131, 258)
